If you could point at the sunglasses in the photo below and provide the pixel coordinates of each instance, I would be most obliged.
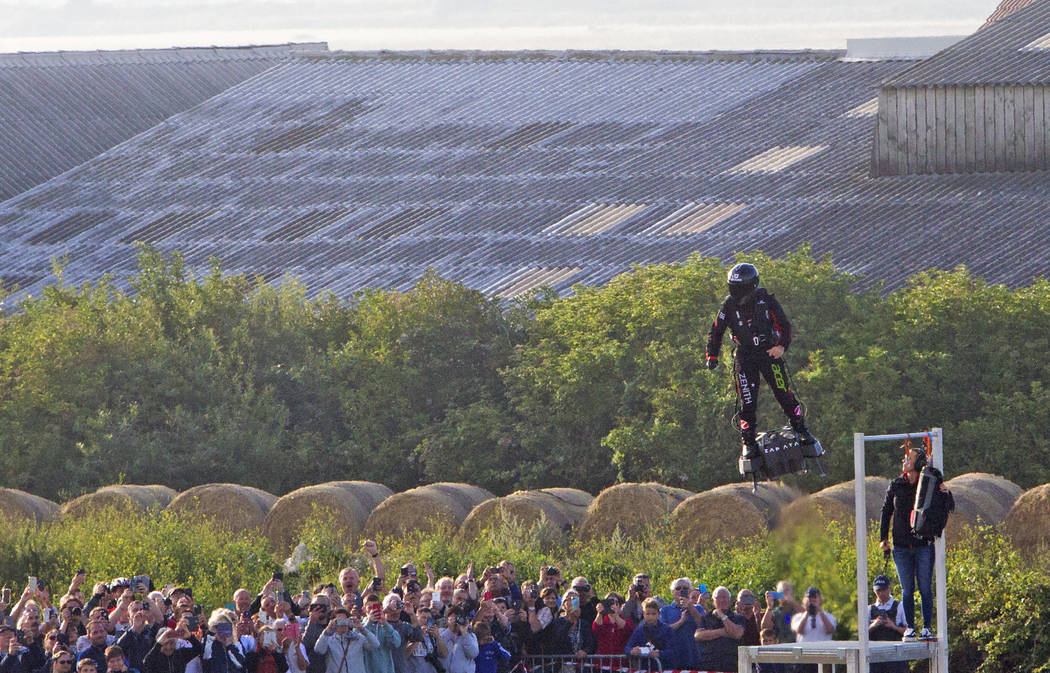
(583, 587)
(63, 661)
(314, 608)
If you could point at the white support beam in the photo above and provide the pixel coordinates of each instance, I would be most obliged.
(861, 504)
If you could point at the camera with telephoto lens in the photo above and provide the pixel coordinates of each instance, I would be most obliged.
(811, 610)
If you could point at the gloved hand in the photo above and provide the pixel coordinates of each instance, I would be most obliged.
(712, 363)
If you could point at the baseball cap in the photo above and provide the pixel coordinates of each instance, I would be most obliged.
(812, 592)
(881, 582)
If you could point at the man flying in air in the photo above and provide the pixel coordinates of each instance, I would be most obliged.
(762, 333)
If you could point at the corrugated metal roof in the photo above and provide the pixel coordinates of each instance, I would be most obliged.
(1006, 8)
(60, 109)
(404, 170)
(999, 53)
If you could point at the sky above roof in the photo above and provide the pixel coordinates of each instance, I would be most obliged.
(46, 25)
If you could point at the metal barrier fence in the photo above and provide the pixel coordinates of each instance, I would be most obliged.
(594, 663)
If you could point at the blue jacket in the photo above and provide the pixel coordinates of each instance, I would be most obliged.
(489, 656)
(380, 660)
(661, 636)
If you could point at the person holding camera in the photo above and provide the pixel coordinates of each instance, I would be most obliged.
(167, 657)
(462, 645)
(781, 606)
(639, 591)
(683, 616)
(550, 578)
(813, 624)
(887, 622)
(137, 640)
(568, 634)
(380, 659)
(344, 642)
(611, 630)
(719, 634)
(762, 334)
(588, 601)
(427, 654)
(19, 657)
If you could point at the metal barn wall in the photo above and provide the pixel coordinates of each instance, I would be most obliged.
(962, 129)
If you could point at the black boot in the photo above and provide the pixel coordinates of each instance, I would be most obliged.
(750, 449)
(805, 437)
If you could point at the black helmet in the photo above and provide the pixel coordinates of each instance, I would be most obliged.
(743, 279)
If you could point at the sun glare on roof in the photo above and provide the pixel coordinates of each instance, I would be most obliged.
(694, 218)
(595, 218)
(869, 109)
(529, 278)
(777, 159)
(1040, 44)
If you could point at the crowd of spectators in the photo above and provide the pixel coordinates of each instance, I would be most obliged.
(485, 623)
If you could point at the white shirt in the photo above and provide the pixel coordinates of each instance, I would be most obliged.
(810, 633)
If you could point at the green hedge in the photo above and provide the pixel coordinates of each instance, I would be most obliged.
(999, 602)
(220, 375)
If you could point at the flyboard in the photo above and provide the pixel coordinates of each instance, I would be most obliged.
(782, 452)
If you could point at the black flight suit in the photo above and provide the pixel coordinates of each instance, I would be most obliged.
(756, 326)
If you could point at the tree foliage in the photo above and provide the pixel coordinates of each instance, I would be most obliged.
(180, 379)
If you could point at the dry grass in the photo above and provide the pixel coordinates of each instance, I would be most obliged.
(347, 503)
(19, 505)
(438, 508)
(1028, 523)
(130, 497)
(834, 503)
(562, 507)
(729, 512)
(632, 508)
(232, 506)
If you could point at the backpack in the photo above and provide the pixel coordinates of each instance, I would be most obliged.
(929, 515)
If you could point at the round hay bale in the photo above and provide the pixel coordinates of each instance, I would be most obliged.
(560, 506)
(18, 505)
(347, 503)
(834, 503)
(126, 497)
(1027, 523)
(438, 508)
(1000, 491)
(233, 506)
(572, 497)
(631, 507)
(729, 512)
(972, 507)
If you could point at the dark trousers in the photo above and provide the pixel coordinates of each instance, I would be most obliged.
(915, 566)
(747, 371)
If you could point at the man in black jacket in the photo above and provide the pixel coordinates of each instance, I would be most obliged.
(762, 333)
(167, 657)
(913, 556)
